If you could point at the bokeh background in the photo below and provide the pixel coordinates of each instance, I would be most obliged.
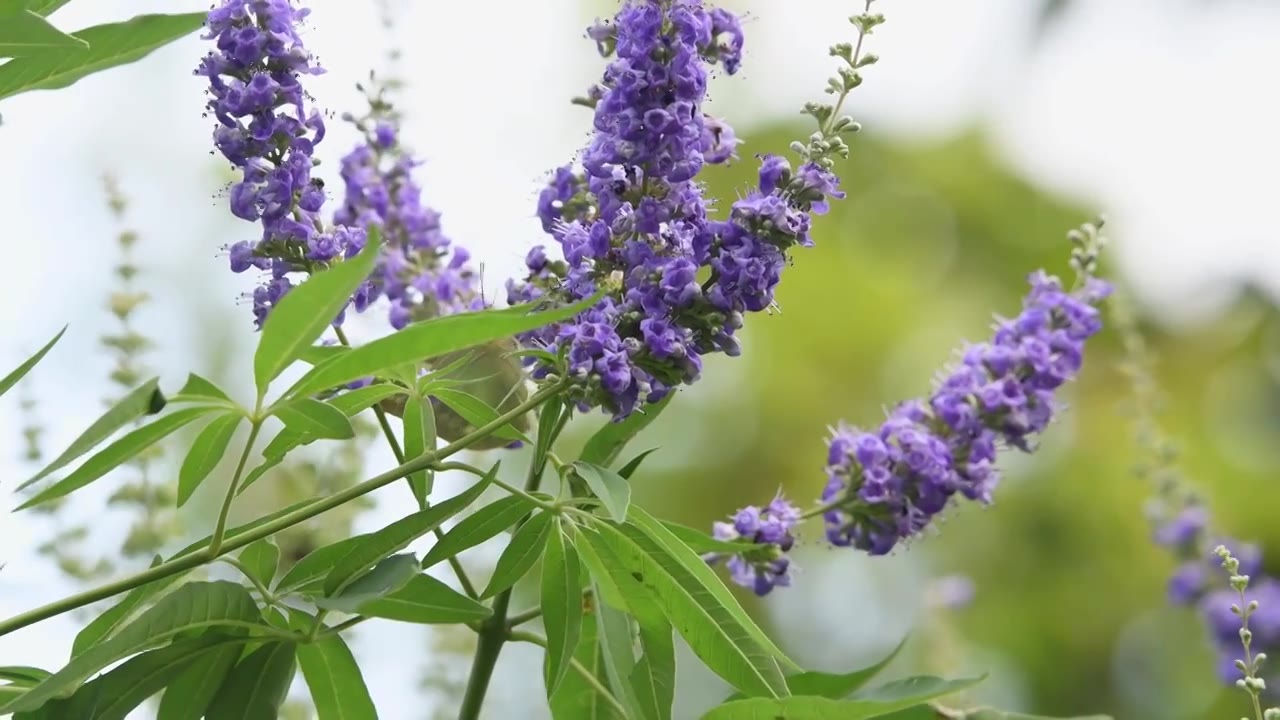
(992, 127)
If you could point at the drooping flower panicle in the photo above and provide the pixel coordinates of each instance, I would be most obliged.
(267, 130)
(766, 566)
(632, 219)
(886, 485)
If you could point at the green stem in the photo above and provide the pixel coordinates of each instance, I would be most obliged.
(542, 504)
(525, 616)
(267, 597)
(590, 677)
(215, 543)
(819, 510)
(394, 444)
(493, 631)
(302, 514)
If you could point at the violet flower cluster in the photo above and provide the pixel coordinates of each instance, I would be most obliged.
(886, 485)
(268, 132)
(766, 566)
(632, 220)
(419, 270)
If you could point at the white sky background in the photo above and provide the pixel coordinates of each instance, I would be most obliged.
(1161, 112)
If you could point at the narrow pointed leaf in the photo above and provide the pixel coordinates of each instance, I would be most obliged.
(256, 688)
(147, 398)
(609, 441)
(634, 463)
(45, 8)
(337, 687)
(992, 714)
(199, 387)
(317, 419)
(711, 631)
(189, 695)
(693, 563)
(485, 523)
(430, 339)
(561, 604)
(261, 560)
(206, 450)
(426, 600)
(113, 695)
(23, 675)
(305, 311)
(109, 46)
(617, 653)
(399, 534)
(524, 550)
(18, 373)
(612, 489)
(576, 699)
(122, 612)
(317, 354)
(194, 606)
(874, 704)
(419, 438)
(116, 454)
(700, 542)
(476, 412)
(834, 685)
(388, 576)
(313, 568)
(26, 33)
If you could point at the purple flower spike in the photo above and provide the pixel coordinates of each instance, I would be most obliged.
(886, 485)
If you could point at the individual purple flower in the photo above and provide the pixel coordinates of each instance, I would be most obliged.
(886, 485)
(765, 566)
(268, 132)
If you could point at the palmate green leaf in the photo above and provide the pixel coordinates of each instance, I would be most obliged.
(561, 604)
(206, 450)
(693, 563)
(711, 631)
(113, 695)
(109, 46)
(19, 372)
(419, 439)
(122, 612)
(385, 578)
(429, 339)
(477, 412)
(261, 560)
(483, 524)
(612, 489)
(899, 695)
(576, 699)
(305, 311)
(315, 418)
(191, 692)
(400, 533)
(117, 454)
(25, 33)
(337, 687)
(146, 399)
(426, 600)
(523, 551)
(194, 606)
(609, 441)
(256, 688)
